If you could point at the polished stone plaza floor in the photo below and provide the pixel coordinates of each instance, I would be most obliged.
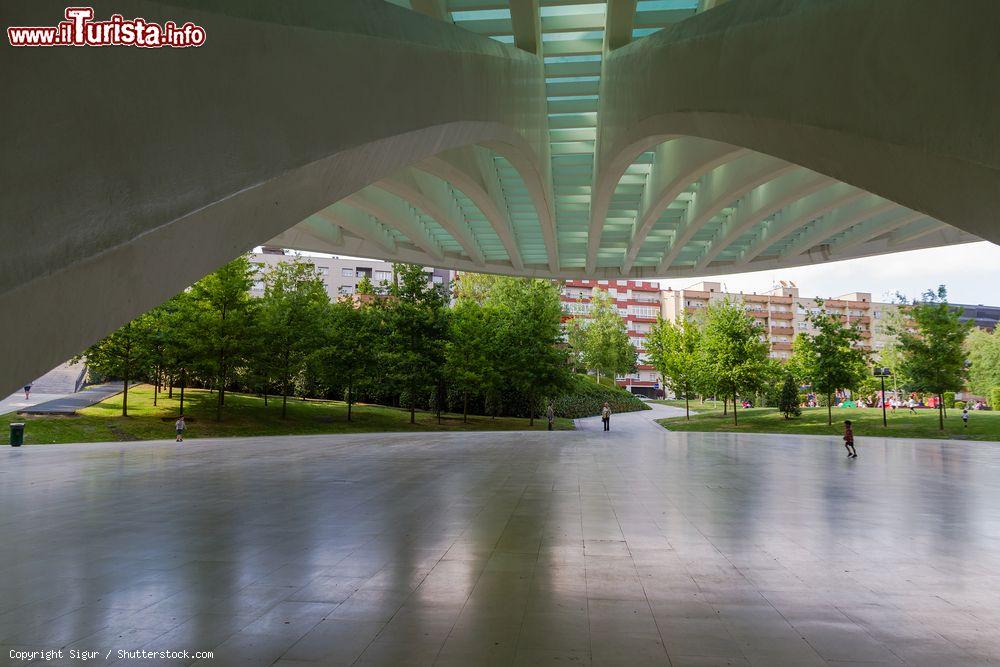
(627, 548)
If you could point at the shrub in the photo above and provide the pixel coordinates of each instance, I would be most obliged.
(584, 398)
(959, 405)
(993, 398)
(788, 399)
(949, 398)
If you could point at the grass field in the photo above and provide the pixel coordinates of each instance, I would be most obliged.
(695, 404)
(983, 425)
(243, 415)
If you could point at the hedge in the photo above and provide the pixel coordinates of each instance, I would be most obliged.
(585, 398)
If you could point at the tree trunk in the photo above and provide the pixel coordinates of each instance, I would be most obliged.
(170, 386)
(736, 421)
(265, 394)
(687, 407)
(156, 386)
(829, 409)
(350, 399)
(413, 406)
(125, 396)
(725, 406)
(465, 407)
(531, 410)
(940, 412)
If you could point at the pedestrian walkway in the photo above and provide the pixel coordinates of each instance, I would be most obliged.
(70, 403)
(634, 547)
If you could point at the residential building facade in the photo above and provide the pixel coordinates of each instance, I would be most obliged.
(340, 275)
(782, 312)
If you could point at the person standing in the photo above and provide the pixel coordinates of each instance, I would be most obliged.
(27, 391)
(912, 404)
(550, 414)
(606, 416)
(965, 417)
(179, 426)
(849, 440)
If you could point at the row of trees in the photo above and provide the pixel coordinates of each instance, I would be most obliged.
(496, 351)
(724, 352)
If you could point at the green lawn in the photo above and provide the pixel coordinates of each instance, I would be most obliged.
(243, 415)
(695, 404)
(983, 425)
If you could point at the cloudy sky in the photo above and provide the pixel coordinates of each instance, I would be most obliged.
(971, 272)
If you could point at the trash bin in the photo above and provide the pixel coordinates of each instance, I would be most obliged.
(17, 434)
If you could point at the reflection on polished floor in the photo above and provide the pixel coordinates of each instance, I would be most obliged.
(629, 548)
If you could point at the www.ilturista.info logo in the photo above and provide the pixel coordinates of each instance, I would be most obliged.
(80, 29)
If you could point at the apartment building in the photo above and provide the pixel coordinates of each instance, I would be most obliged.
(782, 312)
(639, 304)
(340, 274)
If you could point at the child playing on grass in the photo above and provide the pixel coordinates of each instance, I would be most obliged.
(849, 440)
(179, 425)
(965, 417)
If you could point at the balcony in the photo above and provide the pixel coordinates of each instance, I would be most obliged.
(782, 316)
(782, 331)
(778, 345)
(859, 305)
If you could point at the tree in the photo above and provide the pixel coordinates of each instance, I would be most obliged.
(417, 330)
(788, 401)
(984, 356)
(528, 359)
(934, 354)
(470, 353)
(121, 354)
(832, 358)
(674, 352)
(291, 317)
(576, 339)
(365, 287)
(607, 348)
(224, 311)
(350, 353)
(733, 352)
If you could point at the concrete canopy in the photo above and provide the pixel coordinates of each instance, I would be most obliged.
(607, 140)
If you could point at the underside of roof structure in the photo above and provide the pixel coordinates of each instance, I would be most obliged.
(550, 138)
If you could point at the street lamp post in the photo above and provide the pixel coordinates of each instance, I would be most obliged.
(882, 373)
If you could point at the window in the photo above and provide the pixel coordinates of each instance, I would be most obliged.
(383, 275)
(438, 280)
(347, 273)
(346, 290)
(258, 285)
(877, 314)
(324, 270)
(803, 325)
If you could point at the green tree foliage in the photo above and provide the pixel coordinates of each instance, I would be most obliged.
(788, 401)
(291, 319)
(122, 354)
(673, 350)
(830, 359)
(934, 354)
(417, 330)
(470, 353)
(733, 352)
(365, 287)
(350, 353)
(984, 356)
(607, 349)
(224, 311)
(529, 357)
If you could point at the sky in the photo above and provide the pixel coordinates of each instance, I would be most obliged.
(971, 272)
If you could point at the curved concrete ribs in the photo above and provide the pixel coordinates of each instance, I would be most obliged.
(368, 129)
